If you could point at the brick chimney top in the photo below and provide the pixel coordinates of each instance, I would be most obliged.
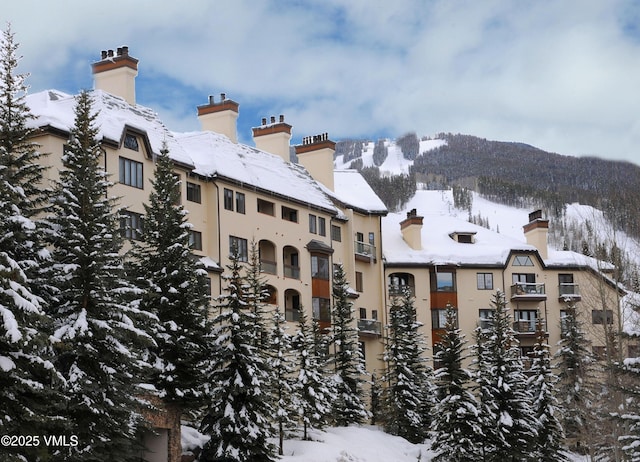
(272, 127)
(110, 60)
(225, 104)
(315, 142)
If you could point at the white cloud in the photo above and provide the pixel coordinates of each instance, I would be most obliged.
(559, 75)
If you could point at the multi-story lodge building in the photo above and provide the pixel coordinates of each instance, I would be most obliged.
(306, 217)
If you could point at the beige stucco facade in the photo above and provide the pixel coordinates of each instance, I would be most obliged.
(536, 288)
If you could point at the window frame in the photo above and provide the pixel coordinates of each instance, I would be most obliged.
(289, 214)
(195, 239)
(241, 203)
(194, 192)
(484, 284)
(241, 246)
(336, 233)
(131, 172)
(131, 225)
(228, 199)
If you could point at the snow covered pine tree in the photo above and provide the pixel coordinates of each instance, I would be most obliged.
(26, 373)
(457, 431)
(174, 289)
(99, 342)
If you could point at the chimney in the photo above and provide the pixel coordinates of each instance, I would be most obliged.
(316, 155)
(411, 228)
(273, 137)
(536, 232)
(220, 117)
(115, 73)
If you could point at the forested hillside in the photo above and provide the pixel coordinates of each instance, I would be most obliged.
(519, 174)
(511, 173)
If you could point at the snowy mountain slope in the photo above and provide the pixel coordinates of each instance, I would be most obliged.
(395, 163)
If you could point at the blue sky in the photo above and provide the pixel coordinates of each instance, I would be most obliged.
(561, 75)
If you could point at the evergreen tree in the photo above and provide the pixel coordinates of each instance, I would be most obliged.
(25, 370)
(256, 295)
(574, 363)
(312, 394)
(349, 406)
(630, 416)
(457, 431)
(283, 370)
(541, 383)
(238, 418)
(98, 339)
(408, 396)
(505, 409)
(173, 284)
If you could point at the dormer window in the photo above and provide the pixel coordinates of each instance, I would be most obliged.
(463, 237)
(522, 260)
(130, 142)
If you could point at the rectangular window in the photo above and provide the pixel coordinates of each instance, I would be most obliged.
(207, 287)
(266, 207)
(485, 281)
(228, 199)
(289, 214)
(372, 238)
(238, 246)
(362, 350)
(439, 319)
(336, 233)
(525, 321)
(322, 226)
(359, 282)
(566, 285)
(240, 202)
(321, 309)
(485, 317)
(319, 267)
(195, 240)
(131, 225)
(131, 173)
(194, 193)
(363, 313)
(313, 224)
(443, 281)
(598, 317)
(374, 314)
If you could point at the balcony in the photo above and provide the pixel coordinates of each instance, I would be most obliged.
(396, 290)
(365, 251)
(269, 267)
(525, 326)
(292, 272)
(528, 292)
(569, 291)
(369, 327)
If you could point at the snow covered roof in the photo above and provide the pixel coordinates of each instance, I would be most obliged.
(489, 247)
(214, 154)
(207, 153)
(352, 190)
(439, 248)
(56, 109)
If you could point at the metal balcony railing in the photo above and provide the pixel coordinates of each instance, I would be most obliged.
(528, 290)
(292, 271)
(267, 266)
(365, 249)
(398, 289)
(369, 326)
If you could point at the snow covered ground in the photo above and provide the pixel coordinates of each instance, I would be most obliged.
(348, 444)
